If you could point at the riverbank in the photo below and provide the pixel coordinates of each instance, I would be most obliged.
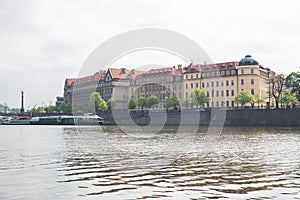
(236, 117)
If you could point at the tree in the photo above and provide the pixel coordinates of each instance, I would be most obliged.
(276, 83)
(258, 99)
(187, 102)
(292, 82)
(111, 103)
(65, 108)
(40, 109)
(199, 97)
(243, 97)
(132, 104)
(51, 109)
(152, 100)
(142, 102)
(172, 102)
(96, 102)
(288, 98)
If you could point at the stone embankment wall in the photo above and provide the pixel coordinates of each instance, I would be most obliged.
(238, 117)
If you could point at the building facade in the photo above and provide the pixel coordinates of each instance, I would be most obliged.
(221, 82)
(163, 82)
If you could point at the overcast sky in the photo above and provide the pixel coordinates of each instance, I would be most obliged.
(43, 42)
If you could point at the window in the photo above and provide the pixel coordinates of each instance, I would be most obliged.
(222, 73)
(227, 83)
(186, 86)
(227, 93)
(217, 93)
(197, 85)
(186, 95)
(222, 83)
(192, 85)
(203, 75)
(217, 83)
(203, 84)
(232, 92)
(217, 104)
(192, 76)
(212, 84)
(232, 103)
(222, 93)
(242, 81)
(242, 71)
(207, 93)
(223, 103)
(227, 72)
(232, 82)
(227, 103)
(252, 71)
(252, 91)
(212, 93)
(233, 72)
(196, 75)
(252, 81)
(186, 76)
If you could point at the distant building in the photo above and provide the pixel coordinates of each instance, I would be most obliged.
(162, 82)
(59, 101)
(221, 82)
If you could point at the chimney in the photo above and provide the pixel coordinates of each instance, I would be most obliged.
(22, 102)
(179, 66)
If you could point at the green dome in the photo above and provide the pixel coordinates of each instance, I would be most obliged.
(248, 60)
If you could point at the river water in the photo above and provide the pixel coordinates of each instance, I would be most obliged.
(55, 162)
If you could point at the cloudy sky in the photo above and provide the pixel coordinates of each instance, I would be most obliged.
(43, 42)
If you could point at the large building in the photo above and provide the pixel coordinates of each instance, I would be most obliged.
(221, 82)
(163, 82)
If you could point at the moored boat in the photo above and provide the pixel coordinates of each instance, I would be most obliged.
(23, 120)
(67, 120)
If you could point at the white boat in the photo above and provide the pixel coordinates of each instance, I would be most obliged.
(24, 120)
(67, 120)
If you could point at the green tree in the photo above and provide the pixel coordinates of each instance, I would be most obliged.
(244, 97)
(199, 98)
(288, 98)
(292, 82)
(172, 102)
(51, 109)
(152, 100)
(257, 99)
(277, 83)
(187, 102)
(111, 102)
(142, 102)
(96, 102)
(65, 108)
(40, 109)
(131, 103)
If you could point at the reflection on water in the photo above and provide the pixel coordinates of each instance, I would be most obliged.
(105, 163)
